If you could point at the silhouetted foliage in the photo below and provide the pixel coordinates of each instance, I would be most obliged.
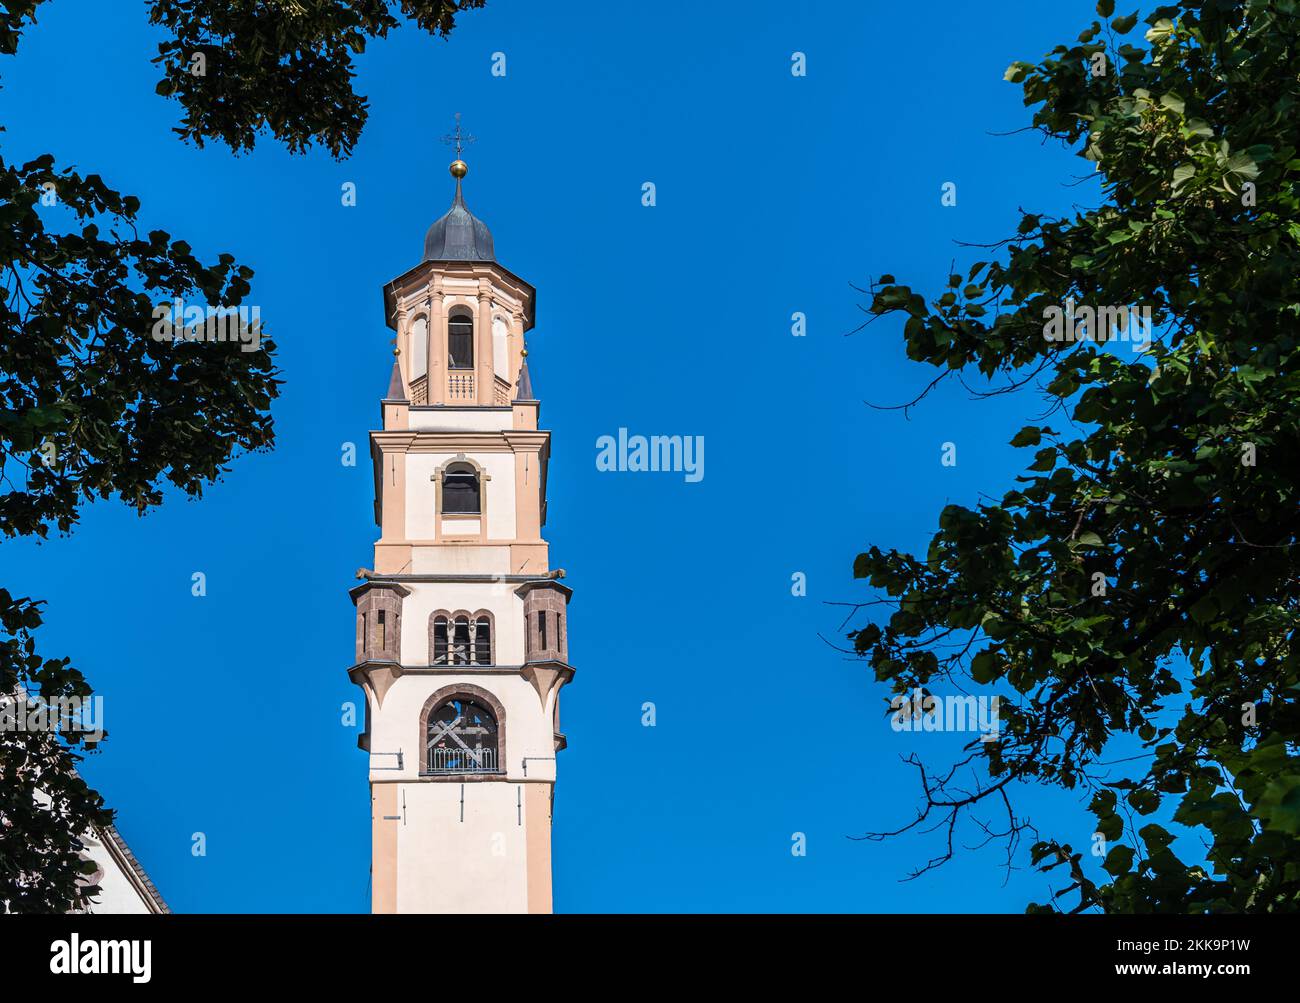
(1142, 579)
(93, 406)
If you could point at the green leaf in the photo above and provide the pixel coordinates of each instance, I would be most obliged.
(1155, 836)
(1173, 102)
(1016, 72)
(1144, 801)
(1160, 31)
(1044, 459)
(1110, 826)
(984, 667)
(1118, 861)
(1241, 165)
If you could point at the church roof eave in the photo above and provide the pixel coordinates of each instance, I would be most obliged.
(125, 859)
(529, 293)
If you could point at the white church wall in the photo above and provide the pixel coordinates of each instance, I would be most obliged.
(481, 863)
(460, 419)
(460, 560)
(501, 495)
(117, 896)
(498, 598)
(120, 892)
(395, 729)
(421, 496)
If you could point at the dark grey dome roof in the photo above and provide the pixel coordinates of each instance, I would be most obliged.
(458, 236)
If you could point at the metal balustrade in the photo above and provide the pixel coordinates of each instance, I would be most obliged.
(457, 760)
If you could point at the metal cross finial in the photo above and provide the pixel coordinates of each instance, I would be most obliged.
(458, 139)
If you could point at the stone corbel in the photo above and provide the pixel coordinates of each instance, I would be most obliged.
(547, 678)
(375, 680)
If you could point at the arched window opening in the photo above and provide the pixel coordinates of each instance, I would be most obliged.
(460, 641)
(440, 641)
(460, 490)
(460, 341)
(483, 641)
(461, 738)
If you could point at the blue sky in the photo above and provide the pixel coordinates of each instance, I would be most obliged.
(774, 194)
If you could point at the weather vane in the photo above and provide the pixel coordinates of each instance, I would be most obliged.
(458, 139)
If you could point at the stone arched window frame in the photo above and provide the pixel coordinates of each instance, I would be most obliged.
(467, 691)
(439, 515)
(473, 619)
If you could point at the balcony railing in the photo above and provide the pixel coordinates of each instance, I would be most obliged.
(458, 760)
(419, 390)
(460, 654)
(460, 386)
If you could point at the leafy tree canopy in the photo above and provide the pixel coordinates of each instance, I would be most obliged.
(1141, 579)
(91, 404)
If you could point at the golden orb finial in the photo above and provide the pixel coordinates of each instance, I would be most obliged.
(459, 140)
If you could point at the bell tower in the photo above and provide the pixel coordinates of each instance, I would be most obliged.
(462, 627)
